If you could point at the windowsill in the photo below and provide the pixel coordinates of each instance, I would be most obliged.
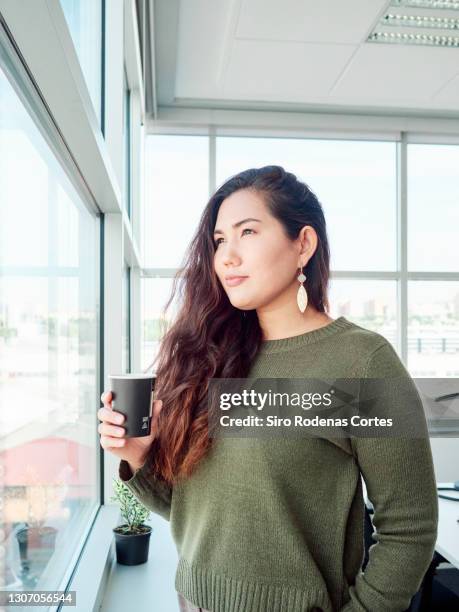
(148, 587)
(91, 572)
(102, 584)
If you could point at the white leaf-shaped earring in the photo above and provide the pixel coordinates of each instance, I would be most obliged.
(301, 296)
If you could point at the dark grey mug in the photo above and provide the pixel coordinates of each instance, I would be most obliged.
(132, 396)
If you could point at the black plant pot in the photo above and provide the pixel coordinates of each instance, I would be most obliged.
(132, 548)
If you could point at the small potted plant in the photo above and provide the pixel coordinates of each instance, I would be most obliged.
(133, 536)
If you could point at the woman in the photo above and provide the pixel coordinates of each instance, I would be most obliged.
(275, 525)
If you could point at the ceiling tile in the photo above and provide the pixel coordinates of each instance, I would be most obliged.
(449, 93)
(309, 20)
(283, 71)
(391, 71)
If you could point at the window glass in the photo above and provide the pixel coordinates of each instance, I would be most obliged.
(176, 192)
(433, 329)
(155, 293)
(369, 303)
(84, 19)
(49, 351)
(433, 218)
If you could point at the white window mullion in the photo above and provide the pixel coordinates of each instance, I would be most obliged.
(402, 247)
(212, 160)
(113, 320)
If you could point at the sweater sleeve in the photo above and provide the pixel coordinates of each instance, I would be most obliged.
(400, 481)
(152, 492)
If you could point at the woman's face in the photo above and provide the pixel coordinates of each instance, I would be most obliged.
(258, 249)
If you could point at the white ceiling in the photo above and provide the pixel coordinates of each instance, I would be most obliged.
(310, 53)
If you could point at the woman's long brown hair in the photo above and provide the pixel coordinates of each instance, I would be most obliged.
(209, 337)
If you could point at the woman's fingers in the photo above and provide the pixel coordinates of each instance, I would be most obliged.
(111, 437)
(111, 416)
(110, 430)
(107, 413)
(106, 397)
(108, 442)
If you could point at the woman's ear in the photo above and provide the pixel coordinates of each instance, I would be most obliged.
(308, 242)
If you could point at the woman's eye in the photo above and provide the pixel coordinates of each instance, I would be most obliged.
(217, 242)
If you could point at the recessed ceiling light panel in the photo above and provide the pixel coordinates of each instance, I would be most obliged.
(417, 21)
(452, 5)
(426, 28)
(414, 39)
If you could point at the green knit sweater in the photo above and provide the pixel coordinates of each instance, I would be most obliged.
(276, 524)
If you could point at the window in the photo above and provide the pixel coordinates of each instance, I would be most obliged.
(433, 328)
(84, 19)
(155, 293)
(49, 356)
(433, 196)
(176, 192)
(369, 303)
(433, 302)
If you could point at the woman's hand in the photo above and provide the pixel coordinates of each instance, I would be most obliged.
(132, 450)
